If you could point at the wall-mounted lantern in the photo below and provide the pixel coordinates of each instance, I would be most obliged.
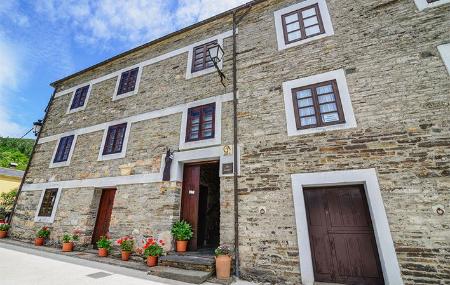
(216, 54)
(37, 127)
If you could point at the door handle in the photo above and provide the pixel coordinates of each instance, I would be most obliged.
(191, 192)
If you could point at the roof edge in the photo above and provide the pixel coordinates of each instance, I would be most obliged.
(188, 28)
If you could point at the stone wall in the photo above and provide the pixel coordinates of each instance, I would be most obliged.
(400, 92)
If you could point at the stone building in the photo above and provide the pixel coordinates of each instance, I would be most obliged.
(343, 133)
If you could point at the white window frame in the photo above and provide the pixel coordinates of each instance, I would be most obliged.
(136, 87)
(423, 4)
(326, 19)
(70, 111)
(72, 147)
(366, 177)
(189, 73)
(51, 219)
(121, 154)
(347, 109)
(217, 139)
(444, 50)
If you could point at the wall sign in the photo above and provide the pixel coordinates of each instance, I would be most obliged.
(227, 168)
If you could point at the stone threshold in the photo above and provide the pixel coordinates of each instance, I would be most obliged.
(91, 255)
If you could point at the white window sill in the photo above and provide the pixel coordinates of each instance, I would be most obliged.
(423, 4)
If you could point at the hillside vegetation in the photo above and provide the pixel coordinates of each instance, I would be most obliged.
(15, 150)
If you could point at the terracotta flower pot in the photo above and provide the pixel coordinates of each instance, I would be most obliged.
(39, 241)
(152, 261)
(223, 266)
(126, 255)
(3, 234)
(103, 252)
(182, 245)
(67, 246)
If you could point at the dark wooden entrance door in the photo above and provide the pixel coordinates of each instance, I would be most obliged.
(190, 200)
(341, 235)
(103, 214)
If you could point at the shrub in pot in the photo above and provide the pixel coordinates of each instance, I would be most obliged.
(182, 233)
(152, 250)
(68, 240)
(41, 235)
(223, 262)
(4, 229)
(126, 244)
(103, 245)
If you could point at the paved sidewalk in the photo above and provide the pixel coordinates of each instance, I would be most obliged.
(29, 266)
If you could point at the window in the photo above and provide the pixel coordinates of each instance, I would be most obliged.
(128, 81)
(48, 201)
(64, 147)
(424, 4)
(201, 59)
(317, 105)
(80, 97)
(200, 123)
(444, 50)
(114, 139)
(302, 22)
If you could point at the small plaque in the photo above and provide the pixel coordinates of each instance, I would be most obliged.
(227, 168)
(227, 150)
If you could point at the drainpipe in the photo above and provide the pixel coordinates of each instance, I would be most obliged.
(29, 162)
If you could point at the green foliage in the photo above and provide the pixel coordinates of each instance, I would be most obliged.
(104, 242)
(15, 150)
(4, 227)
(2, 213)
(69, 238)
(7, 199)
(182, 230)
(44, 232)
(223, 250)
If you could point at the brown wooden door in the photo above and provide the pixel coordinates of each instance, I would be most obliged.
(103, 214)
(190, 200)
(342, 240)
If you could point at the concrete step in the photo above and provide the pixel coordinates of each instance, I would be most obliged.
(189, 262)
(188, 276)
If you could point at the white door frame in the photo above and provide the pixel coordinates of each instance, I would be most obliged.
(366, 177)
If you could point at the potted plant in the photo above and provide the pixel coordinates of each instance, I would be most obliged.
(4, 229)
(182, 233)
(152, 250)
(41, 235)
(223, 262)
(68, 240)
(104, 245)
(126, 245)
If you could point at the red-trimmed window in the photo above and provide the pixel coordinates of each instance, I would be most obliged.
(114, 139)
(128, 81)
(200, 122)
(48, 202)
(201, 59)
(302, 24)
(62, 153)
(79, 98)
(317, 105)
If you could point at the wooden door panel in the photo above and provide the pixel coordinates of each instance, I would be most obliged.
(103, 214)
(190, 200)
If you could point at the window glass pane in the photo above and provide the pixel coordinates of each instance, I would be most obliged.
(194, 135)
(308, 121)
(326, 98)
(207, 125)
(291, 18)
(328, 107)
(308, 13)
(312, 30)
(195, 128)
(310, 21)
(47, 203)
(331, 117)
(306, 111)
(305, 102)
(324, 89)
(207, 133)
(294, 36)
(304, 93)
(293, 27)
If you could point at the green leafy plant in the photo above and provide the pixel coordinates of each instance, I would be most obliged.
(7, 200)
(15, 150)
(153, 247)
(223, 250)
(4, 227)
(182, 230)
(69, 238)
(126, 243)
(44, 232)
(104, 242)
(2, 213)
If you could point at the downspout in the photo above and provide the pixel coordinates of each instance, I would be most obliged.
(29, 162)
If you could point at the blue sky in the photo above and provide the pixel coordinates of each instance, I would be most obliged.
(44, 40)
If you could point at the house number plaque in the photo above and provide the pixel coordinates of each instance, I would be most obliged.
(227, 168)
